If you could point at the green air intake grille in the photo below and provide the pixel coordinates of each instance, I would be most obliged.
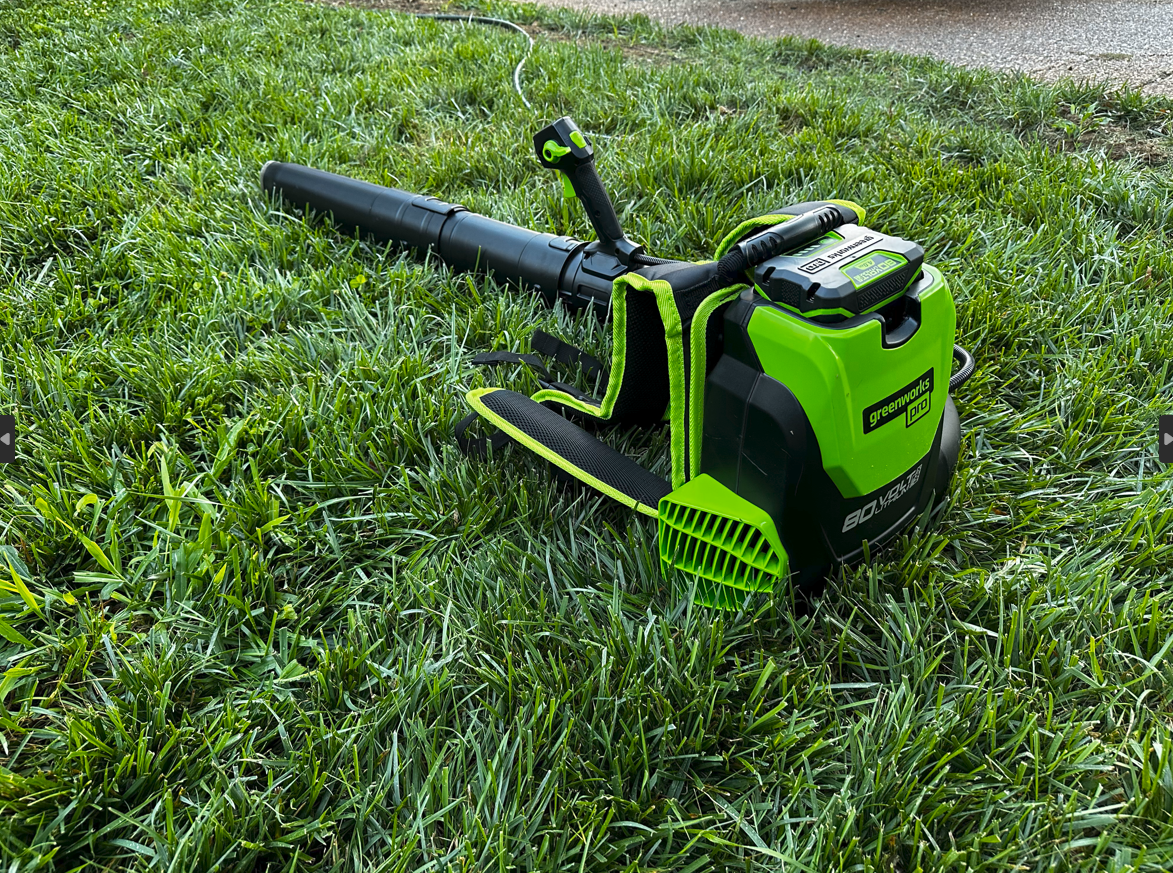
(728, 543)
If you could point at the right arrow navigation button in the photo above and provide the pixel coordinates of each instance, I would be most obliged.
(1165, 440)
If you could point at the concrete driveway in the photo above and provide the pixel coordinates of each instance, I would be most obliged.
(1114, 40)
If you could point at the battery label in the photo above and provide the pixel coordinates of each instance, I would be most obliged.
(852, 247)
(869, 269)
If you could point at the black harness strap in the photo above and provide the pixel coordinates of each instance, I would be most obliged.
(564, 353)
(479, 446)
(552, 347)
(532, 361)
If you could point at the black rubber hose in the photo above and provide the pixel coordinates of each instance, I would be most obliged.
(965, 359)
(649, 261)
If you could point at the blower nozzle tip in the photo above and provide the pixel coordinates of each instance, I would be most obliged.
(264, 170)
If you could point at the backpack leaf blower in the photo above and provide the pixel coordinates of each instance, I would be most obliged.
(804, 372)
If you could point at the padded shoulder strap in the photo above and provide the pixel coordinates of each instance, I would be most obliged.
(663, 330)
(569, 447)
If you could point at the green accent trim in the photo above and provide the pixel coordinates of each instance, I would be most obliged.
(577, 139)
(836, 373)
(552, 151)
(618, 364)
(674, 341)
(699, 365)
(836, 310)
(474, 400)
(730, 544)
(564, 399)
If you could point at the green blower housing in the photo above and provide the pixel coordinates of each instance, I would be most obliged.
(804, 373)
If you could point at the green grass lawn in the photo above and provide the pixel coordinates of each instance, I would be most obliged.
(262, 615)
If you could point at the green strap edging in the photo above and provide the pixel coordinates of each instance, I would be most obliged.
(677, 380)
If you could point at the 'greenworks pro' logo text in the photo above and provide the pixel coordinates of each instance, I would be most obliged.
(912, 401)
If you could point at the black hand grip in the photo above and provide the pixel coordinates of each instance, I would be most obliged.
(790, 235)
(561, 146)
(588, 187)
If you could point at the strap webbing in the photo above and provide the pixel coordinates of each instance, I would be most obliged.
(478, 446)
(552, 347)
(494, 358)
(564, 353)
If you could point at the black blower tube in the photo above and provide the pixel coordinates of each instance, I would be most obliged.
(557, 266)
(561, 268)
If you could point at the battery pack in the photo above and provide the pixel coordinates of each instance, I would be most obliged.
(850, 271)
